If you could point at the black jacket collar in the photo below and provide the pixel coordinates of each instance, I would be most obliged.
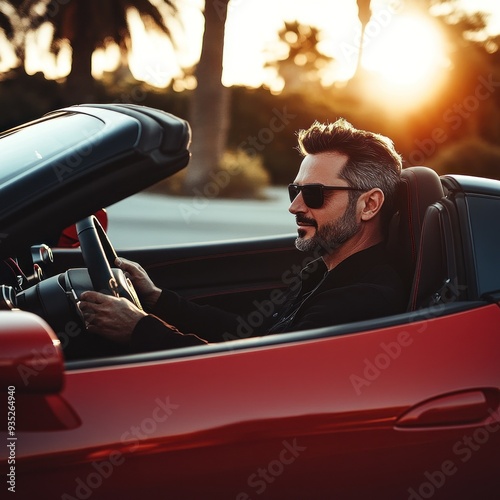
(352, 269)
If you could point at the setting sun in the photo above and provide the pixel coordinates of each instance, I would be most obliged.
(409, 55)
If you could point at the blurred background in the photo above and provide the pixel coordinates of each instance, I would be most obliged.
(248, 74)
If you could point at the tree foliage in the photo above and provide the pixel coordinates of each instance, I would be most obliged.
(464, 114)
(88, 25)
(303, 61)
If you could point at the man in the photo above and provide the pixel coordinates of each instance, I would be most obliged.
(343, 199)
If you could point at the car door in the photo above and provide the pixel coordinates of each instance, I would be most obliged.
(395, 409)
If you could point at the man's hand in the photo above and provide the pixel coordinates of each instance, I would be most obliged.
(147, 291)
(112, 317)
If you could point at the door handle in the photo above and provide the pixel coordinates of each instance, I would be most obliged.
(460, 408)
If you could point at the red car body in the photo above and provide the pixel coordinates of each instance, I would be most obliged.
(403, 407)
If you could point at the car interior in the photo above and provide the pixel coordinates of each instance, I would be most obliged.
(424, 252)
(423, 237)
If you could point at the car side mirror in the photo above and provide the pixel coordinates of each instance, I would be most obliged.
(31, 357)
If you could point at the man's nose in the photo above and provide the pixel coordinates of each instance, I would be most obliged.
(297, 205)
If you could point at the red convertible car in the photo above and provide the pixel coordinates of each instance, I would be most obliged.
(401, 407)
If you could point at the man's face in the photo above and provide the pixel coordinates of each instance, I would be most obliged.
(325, 228)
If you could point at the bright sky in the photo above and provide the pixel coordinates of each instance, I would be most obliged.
(249, 32)
(252, 28)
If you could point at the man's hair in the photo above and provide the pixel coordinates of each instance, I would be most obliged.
(372, 160)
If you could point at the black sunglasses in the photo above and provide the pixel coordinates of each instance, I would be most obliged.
(313, 194)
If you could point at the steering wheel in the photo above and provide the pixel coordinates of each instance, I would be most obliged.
(99, 256)
(56, 298)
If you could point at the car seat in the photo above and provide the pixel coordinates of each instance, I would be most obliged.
(415, 238)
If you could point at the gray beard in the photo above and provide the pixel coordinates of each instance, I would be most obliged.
(331, 236)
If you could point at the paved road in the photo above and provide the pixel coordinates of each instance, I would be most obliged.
(150, 220)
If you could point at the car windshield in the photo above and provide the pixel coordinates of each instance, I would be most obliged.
(28, 147)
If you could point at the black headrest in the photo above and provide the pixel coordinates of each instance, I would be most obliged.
(420, 187)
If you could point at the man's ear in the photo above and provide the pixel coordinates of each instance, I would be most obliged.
(371, 203)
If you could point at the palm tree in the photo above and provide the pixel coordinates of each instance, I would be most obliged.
(302, 65)
(6, 24)
(91, 24)
(364, 15)
(12, 24)
(210, 104)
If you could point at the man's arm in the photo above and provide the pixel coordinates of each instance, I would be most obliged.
(153, 334)
(119, 320)
(210, 323)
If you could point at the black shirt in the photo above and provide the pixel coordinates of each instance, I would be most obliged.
(363, 286)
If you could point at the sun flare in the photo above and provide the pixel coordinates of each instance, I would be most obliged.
(409, 55)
